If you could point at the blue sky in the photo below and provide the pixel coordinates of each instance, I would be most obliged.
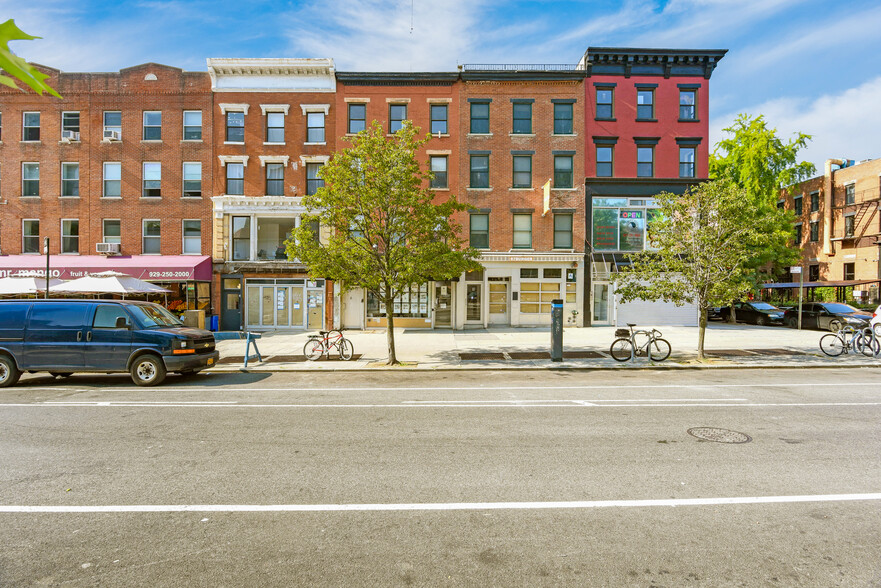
(808, 65)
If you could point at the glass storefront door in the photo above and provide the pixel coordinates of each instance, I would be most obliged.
(498, 301)
(284, 304)
(601, 304)
(473, 302)
(443, 304)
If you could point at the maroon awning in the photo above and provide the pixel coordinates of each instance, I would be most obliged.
(151, 268)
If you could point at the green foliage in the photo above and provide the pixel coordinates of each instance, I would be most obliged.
(383, 230)
(17, 67)
(703, 239)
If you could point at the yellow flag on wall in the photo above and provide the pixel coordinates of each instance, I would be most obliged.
(547, 197)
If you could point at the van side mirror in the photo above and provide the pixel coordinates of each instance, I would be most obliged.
(121, 322)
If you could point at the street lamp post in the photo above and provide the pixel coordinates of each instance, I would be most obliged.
(46, 250)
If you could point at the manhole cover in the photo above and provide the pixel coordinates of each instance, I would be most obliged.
(719, 435)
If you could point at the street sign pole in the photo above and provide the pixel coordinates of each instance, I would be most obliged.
(801, 283)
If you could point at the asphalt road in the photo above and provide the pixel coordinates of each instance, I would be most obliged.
(446, 479)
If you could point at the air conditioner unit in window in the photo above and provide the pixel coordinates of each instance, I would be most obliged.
(70, 135)
(107, 248)
(112, 135)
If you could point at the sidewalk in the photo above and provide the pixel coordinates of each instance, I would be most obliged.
(727, 346)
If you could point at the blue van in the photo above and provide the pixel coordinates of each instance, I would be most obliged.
(66, 336)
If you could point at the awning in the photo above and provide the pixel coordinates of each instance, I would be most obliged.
(151, 268)
(838, 284)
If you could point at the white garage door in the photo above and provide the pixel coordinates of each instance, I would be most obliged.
(654, 314)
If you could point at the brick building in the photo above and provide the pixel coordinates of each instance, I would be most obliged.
(838, 228)
(647, 131)
(116, 166)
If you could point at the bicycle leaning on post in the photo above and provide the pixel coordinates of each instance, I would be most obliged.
(847, 338)
(321, 344)
(639, 343)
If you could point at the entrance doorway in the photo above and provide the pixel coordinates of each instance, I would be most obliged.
(601, 308)
(230, 302)
(283, 304)
(498, 301)
(443, 305)
(474, 303)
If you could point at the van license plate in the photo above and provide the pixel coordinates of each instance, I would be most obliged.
(210, 361)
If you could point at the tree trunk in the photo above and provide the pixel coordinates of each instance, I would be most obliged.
(390, 330)
(702, 329)
(732, 314)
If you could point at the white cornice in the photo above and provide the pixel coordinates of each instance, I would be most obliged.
(304, 159)
(272, 75)
(264, 159)
(226, 107)
(224, 159)
(264, 108)
(325, 108)
(257, 204)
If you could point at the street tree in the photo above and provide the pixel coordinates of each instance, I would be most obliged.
(759, 162)
(698, 248)
(13, 67)
(382, 229)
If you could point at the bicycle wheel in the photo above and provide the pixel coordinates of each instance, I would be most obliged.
(660, 349)
(866, 344)
(831, 345)
(313, 349)
(346, 349)
(621, 349)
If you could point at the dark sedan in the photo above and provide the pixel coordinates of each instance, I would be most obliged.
(829, 316)
(755, 312)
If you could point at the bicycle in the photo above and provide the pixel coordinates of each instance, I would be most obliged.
(321, 344)
(848, 338)
(627, 347)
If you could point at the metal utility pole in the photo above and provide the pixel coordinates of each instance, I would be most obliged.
(46, 250)
(801, 283)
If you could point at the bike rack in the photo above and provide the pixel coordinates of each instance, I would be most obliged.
(251, 339)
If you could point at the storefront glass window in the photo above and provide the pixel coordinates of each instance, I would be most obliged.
(536, 297)
(241, 238)
(410, 304)
(631, 228)
(618, 227)
(271, 235)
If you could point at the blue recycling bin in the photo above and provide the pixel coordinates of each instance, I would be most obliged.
(214, 323)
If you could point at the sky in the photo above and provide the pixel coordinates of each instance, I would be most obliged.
(808, 66)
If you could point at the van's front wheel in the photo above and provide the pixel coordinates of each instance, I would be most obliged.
(148, 370)
(9, 373)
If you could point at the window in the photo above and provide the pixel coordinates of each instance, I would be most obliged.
(604, 161)
(192, 237)
(522, 171)
(815, 201)
(315, 127)
(605, 103)
(241, 238)
(275, 179)
(781, 204)
(480, 171)
(411, 303)
(30, 179)
(192, 125)
(313, 181)
(687, 104)
(357, 118)
(522, 231)
(815, 231)
(152, 125)
(193, 180)
(31, 126)
(479, 233)
(849, 271)
(439, 119)
(70, 179)
(30, 236)
(106, 316)
(235, 178)
(536, 297)
(522, 118)
(563, 171)
(274, 128)
(850, 194)
(112, 179)
(645, 104)
(849, 225)
(619, 224)
(797, 205)
(686, 162)
(112, 124)
(70, 121)
(438, 164)
(271, 235)
(645, 167)
(562, 119)
(152, 180)
(70, 236)
(562, 231)
(397, 114)
(111, 229)
(480, 118)
(235, 127)
(151, 230)
(813, 273)
(798, 234)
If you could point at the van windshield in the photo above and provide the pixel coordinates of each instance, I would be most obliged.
(154, 316)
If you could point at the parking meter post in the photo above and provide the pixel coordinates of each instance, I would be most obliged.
(557, 330)
(801, 282)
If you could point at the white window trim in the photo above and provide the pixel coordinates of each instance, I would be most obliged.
(304, 159)
(103, 228)
(264, 159)
(439, 100)
(61, 179)
(23, 127)
(397, 100)
(183, 236)
(183, 174)
(307, 108)
(39, 247)
(264, 108)
(104, 178)
(225, 107)
(61, 242)
(438, 152)
(39, 179)
(357, 100)
(144, 235)
(224, 159)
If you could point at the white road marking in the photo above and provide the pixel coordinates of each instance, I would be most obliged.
(579, 504)
(575, 403)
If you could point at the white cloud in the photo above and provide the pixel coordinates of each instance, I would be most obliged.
(845, 125)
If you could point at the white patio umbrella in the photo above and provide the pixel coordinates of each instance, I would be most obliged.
(25, 284)
(109, 282)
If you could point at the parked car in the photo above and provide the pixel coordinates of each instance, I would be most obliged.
(827, 315)
(713, 313)
(66, 336)
(876, 321)
(755, 312)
